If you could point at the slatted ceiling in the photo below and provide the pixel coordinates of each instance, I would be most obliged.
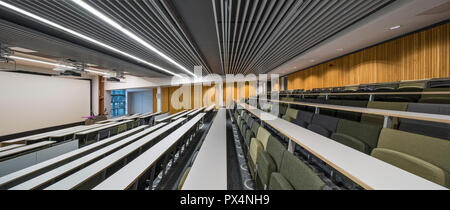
(422, 55)
(150, 20)
(258, 36)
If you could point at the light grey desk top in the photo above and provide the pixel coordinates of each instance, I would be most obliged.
(26, 171)
(363, 169)
(127, 176)
(382, 112)
(39, 136)
(171, 116)
(76, 164)
(209, 171)
(210, 108)
(25, 148)
(149, 115)
(108, 126)
(196, 112)
(84, 174)
(10, 147)
(184, 114)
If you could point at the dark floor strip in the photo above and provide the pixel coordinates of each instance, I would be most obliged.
(233, 166)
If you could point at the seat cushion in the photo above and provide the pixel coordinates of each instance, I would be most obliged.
(366, 133)
(263, 136)
(351, 142)
(319, 130)
(429, 149)
(255, 147)
(292, 113)
(379, 120)
(327, 122)
(298, 174)
(278, 182)
(305, 116)
(266, 166)
(300, 123)
(413, 165)
(276, 151)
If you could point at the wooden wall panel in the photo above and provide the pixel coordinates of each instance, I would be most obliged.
(422, 55)
(155, 100)
(165, 100)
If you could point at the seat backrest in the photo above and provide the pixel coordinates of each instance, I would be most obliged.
(439, 83)
(366, 133)
(435, 99)
(412, 84)
(429, 149)
(327, 122)
(386, 86)
(377, 119)
(298, 174)
(433, 129)
(292, 113)
(305, 116)
(255, 127)
(263, 136)
(276, 150)
(353, 88)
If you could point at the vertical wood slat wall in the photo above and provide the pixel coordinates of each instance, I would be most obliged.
(422, 55)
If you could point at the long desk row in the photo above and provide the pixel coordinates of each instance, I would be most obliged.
(209, 171)
(363, 169)
(10, 180)
(45, 179)
(25, 148)
(388, 114)
(137, 172)
(79, 179)
(168, 118)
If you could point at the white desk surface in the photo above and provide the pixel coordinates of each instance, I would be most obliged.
(210, 108)
(108, 126)
(10, 147)
(21, 173)
(25, 148)
(209, 171)
(381, 112)
(84, 174)
(184, 114)
(39, 136)
(196, 112)
(171, 116)
(76, 164)
(149, 115)
(363, 169)
(127, 176)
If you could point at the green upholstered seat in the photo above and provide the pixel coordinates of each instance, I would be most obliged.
(353, 88)
(413, 165)
(251, 133)
(379, 120)
(428, 149)
(269, 161)
(257, 144)
(278, 182)
(359, 136)
(435, 99)
(290, 115)
(297, 174)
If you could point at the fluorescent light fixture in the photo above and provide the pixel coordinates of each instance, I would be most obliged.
(41, 62)
(97, 72)
(89, 39)
(395, 27)
(129, 34)
(20, 49)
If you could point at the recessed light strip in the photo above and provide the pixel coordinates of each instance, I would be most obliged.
(41, 62)
(43, 20)
(129, 33)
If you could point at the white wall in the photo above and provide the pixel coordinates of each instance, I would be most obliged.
(30, 102)
(140, 102)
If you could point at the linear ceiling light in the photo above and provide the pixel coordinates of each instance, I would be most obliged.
(43, 20)
(41, 62)
(56, 65)
(129, 34)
